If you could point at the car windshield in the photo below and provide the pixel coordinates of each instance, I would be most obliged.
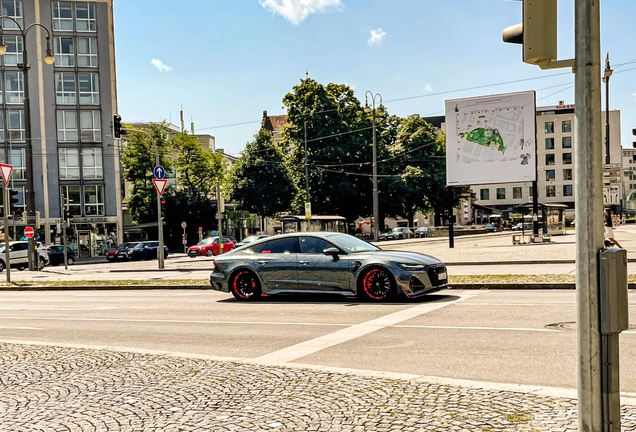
(250, 239)
(207, 241)
(140, 246)
(352, 244)
(126, 246)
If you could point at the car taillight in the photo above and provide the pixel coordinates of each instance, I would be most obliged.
(214, 266)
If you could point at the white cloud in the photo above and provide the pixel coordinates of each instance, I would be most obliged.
(160, 66)
(428, 88)
(634, 94)
(295, 11)
(377, 36)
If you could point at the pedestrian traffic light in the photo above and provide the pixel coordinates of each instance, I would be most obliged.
(13, 201)
(163, 208)
(634, 142)
(68, 215)
(538, 34)
(117, 126)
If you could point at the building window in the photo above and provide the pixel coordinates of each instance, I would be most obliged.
(530, 192)
(65, 88)
(17, 160)
(567, 190)
(567, 158)
(64, 52)
(90, 126)
(550, 191)
(15, 125)
(92, 163)
(12, 8)
(516, 193)
(69, 164)
(549, 143)
(13, 55)
(14, 87)
(87, 52)
(549, 127)
(94, 200)
(62, 16)
(67, 126)
(89, 88)
(567, 174)
(1, 126)
(566, 142)
(501, 193)
(549, 159)
(549, 175)
(71, 195)
(566, 126)
(85, 17)
(484, 194)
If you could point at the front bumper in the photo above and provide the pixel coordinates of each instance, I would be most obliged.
(415, 284)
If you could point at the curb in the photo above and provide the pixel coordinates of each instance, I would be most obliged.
(107, 288)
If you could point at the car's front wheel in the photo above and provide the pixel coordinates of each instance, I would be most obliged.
(209, 253)
(70, 261)
(1, 266)
(245, 285)
(376, 284)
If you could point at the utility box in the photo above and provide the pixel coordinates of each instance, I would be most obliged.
(613, 296)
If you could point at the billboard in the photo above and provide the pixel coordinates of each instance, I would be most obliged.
(491, 139)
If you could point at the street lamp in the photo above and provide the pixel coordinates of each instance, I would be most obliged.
(24, 67)
(380, 111)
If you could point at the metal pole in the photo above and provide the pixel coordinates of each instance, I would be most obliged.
(376, 216)
(219, 216)
(7, 253)
(306, 166)
(451, 227)
(30, 184)
(159, 218)
(606, 78)
(64, 222)
(588, 171)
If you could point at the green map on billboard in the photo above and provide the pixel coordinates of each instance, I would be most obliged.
(486, 137)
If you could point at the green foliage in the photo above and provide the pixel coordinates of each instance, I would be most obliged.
(259, 182)
(138, 161)
(338, 140)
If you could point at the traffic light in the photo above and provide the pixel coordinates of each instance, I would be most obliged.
(68, 215)
(117, 126)
(13, 201)
(538, 34)
(163, 208)
(634, 142)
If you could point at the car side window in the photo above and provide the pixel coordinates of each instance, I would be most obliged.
(278, 246)
(19, 247)
(313, 245)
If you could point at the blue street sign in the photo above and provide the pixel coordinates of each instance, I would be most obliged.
(160, 173)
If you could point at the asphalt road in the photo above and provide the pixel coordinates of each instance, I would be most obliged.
(485, 336)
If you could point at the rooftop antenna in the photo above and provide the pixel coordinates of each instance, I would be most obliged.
(182, 122)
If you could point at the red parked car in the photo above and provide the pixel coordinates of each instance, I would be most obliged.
(210, 247)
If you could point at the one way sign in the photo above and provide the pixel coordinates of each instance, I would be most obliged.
(159, 172)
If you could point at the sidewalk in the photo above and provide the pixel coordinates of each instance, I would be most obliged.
(54, 388)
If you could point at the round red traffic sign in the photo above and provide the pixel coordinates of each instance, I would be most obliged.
(29, 232)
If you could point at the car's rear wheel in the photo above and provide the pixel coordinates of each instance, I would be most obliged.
(1, 266)
(70, 261)
(376, 284)
(209, 253)
(41, 263)
(245, 285)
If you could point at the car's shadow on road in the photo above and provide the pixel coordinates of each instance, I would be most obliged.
(348, 301)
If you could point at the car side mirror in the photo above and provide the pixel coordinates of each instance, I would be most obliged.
(333, 251)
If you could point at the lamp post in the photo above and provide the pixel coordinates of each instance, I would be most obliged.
(30, 187)
(368, 109)
(606, 79)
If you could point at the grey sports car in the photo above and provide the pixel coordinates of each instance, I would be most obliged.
(325, 262)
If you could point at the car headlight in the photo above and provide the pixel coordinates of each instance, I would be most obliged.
(129, 252)
(413, 267)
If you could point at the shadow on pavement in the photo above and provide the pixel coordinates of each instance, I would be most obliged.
(349, 301)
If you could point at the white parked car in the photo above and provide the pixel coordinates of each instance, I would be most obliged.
(18, 255)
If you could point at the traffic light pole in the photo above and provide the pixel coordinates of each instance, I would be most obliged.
(588, 171)
(160, 256)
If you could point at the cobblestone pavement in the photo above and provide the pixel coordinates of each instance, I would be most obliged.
(65, 389)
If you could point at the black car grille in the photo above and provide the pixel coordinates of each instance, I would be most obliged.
(433, 273)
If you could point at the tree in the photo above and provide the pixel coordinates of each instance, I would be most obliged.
(138, 161)
(259, 181)
(339, 143)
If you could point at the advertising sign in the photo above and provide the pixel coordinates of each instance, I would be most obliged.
(491, 139)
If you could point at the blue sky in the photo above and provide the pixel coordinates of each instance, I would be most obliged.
(227, 61)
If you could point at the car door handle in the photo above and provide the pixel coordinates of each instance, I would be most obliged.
(262, 262)
(303, 262)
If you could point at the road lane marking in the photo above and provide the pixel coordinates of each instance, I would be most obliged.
(474, 328)
(20, 328)
(355, 331)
